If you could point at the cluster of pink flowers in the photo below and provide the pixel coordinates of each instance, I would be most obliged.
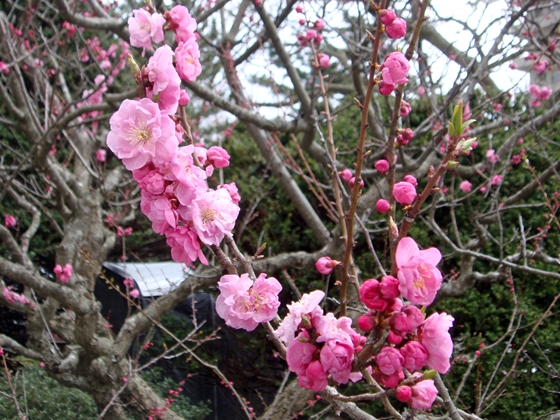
(173, 178)
(319, 345)
(14, 297)
(244, 304)
(315, 36)
(63, 274)
(393, 72)
(132, 291)
(539, 94)
(394, 27)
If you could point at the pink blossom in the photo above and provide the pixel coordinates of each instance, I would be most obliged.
(405, 135)
(435, 338)
(465, 186)
(345, 175)
(184, 98)
(395, 68)
(397, 28)
(352, 182)
(403, 393)
(310, 34)
(386, 88)
(4, 68)
(492, 156)
(366, 323)
(394, 338)
(231, 188)
(389, 287)
(405, 108)
(388, 381)
(325, 265)
(382, 206)
(140, 133)
(389, 361)
(319, 24)
(404, 193)
(387, 16)
(181, 21)
(415, 356)
(300, 353)
(160, 69)
(421, 91)
(185, 245)
(243, 304)
(9, 221)
(214, 215)
(299, 9)
(63, 273)
(370, 295)
(218, 157)
(336, 358)
(308, 304)
(101, 155)
(410, 179)
(415, 317)
(497, 179)
(423, 394)
(324, 61)
(144, 28)
(134, 293)
(382, 166)
(540, 66)
(187, 55)
(314, 377)
(419, 278)
(399, 323)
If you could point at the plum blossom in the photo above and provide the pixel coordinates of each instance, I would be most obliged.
(345, 175)
(371, 296)
(419, 278)
(465, 186)
(396, 29)
(382, 206)
(423, 394)
(214, 215)
(389, 361)
(244, 304)
(144, 28)
(414, 356)
(160, 70)
(395, 68)
(492, 156)
(324, 60)
(63, 273)
(308, 304)
(387, 16)
(217, 157)
(187, 55)
(181, 21)
(101, 155)
(405, 108)
(9, 221)
(435, 338)
(382, 166)
(231, 188)
(497, 179)
(140, 133)
(325, 265)
(185, 245)
(404, 193)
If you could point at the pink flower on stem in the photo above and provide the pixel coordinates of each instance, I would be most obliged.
(181, 21)
(404, 193)
(4, 68)
(134, 293)
(144, 28)
(353, 181)
(387, 16)
(187, 56)
(405, 108)
(435, 338)
(415, 317)
(419, 278)
(410, 179)
(101, 155)
(231, 188)
(9, 221)
(160, 70)
(244, 304)
(319, 24)
(140, 133)
(540, 66)
(403, 393)
(382, 166)
(414, 355)
(395, 68)
(397, 28)
(367, 322)
(217, 157)
(465, 186)
(214, 215)
(423, 394)
(310, 34)
(492, 156)
(185, 245)
(324, 60)
(308, 304)
(345, 175)
(389, 361)
(389, 287)
(497, 179)
(382, 206)
(184, 98)
(388, 381)
(370, 295)
(386, 88)
(325, 265)
(336, 358)
(63, 274)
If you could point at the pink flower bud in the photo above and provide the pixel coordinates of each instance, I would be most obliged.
(345, 175)
(410, 179)
(388, 381)
(9, 221)
(319, 24)
(399, 322)
(371, 296)
(134, 293)
(389, 287)
(394, 338)
(184, 98)
(423, 395)
(405, 108)
(324, 61)
(404, 193)
(366, 323)
(403, 393)
(415, 356)
(353, 181)
(299, 9)
(302, 21)
(101, 155)
(386, 88)
(382, 206)
(397, 29)
(497, 179)
(325, 265)
(414, 315)
(310, 34)
(218, 157)
(318, 39)
(382, 166)
(387, 16)
(389, 360)
(465, 186)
